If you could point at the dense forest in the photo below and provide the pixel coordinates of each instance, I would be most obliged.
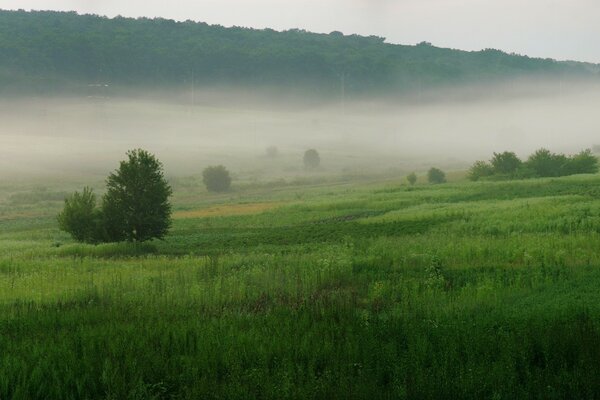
(56, 51)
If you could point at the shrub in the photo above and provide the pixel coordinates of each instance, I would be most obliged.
(136, 205)
(412, 178)
(216, 179)
(546, 163)
(480, 169)
(505, 163)
(311, 159)
(80, 218)
(436, 176)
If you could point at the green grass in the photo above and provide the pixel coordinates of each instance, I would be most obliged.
(465, 290)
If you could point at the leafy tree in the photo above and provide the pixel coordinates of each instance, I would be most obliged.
(311, 159)
(216, 179)
(435, 176)
(480, 169)
(583, 163)
(546, 163)
(412, 178)
(505, 163)
(136, 204)
(80, 218)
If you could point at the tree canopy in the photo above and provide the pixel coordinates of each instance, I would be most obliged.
(136, 204)
(59, 51)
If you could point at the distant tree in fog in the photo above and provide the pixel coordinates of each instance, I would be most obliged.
(216, 179)
(505, 163)
(272, 151)
(436, 176)
(583, 163)
(480, 169)
(311, 159)
(412, 178)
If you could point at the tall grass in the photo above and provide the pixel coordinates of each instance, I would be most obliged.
(446, 292)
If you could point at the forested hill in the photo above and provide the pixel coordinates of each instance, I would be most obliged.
(57, 51)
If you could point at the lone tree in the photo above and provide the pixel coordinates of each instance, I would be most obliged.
(216, 179)
(311, 159)
(136, 204)
(80, 217)
(412, 178)
(436, 176)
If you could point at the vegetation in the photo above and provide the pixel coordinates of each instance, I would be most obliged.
(411, 178)
(54, 51)
(80, 218)
(356, 291)
(135, 207)
(311, 159)
(505, 163)
(462, 290)
(480, 169)
(436, 176)
(216, 178)
(542, 163)
(272, 152)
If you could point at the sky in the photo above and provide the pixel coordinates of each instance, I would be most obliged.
(560, 29)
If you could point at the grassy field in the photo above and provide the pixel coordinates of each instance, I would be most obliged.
(484, 290)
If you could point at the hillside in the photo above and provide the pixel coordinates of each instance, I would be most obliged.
(57, 51)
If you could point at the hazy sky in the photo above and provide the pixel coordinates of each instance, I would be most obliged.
(562, 29)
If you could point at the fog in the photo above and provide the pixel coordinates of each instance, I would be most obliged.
(76, 137)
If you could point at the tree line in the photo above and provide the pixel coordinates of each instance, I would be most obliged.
(57, 51)
(542, 163)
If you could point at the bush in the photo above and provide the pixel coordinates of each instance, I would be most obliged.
(582, 163)
(546, 163)
(436, 176)
(216, 179)
(136, 205)
(311, 159)
(80, 218)
(505, 163)
(412, 178)
(480, 169)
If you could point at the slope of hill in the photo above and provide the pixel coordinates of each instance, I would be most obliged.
(58, 51)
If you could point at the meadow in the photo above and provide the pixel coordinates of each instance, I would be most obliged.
(484, 290)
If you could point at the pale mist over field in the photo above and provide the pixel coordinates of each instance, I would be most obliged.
(61, 137)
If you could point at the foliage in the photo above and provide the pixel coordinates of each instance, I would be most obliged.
(311, 159)
(459, 291)
(216, 178)
(55, 51)
(505, 163)
(583, 163)
(136, 204)
(480, 169)
(411, 178)
(80, 218)
(542, 163)
(546, 163)
(436, 176)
